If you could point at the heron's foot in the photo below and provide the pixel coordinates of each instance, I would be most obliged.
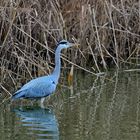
(42, 103)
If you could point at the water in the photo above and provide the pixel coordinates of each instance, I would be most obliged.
(103, 108)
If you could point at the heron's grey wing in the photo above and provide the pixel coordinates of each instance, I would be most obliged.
(36, 88)
(41, 89)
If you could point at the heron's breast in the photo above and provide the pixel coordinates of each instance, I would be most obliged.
(51, 88)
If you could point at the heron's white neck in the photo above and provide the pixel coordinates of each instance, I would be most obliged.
(56, 72)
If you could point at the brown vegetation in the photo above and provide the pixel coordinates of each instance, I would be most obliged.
(108, 32)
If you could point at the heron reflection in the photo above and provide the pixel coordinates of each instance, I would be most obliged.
(39, 121)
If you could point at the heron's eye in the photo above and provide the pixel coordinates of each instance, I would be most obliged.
(62, 42)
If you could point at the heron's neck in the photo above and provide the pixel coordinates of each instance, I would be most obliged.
(57, 68)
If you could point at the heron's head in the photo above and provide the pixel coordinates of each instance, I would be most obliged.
(65, 44)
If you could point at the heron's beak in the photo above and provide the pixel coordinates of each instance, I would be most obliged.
(74, 45)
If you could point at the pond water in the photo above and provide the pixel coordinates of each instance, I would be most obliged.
(94, 108)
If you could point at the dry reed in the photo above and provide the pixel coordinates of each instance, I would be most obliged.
(108, 32)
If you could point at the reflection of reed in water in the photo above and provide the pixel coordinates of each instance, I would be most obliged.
(40, 122)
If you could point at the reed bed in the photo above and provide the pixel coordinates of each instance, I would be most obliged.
(108, 32)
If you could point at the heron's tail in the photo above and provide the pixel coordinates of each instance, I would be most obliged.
(19, 94)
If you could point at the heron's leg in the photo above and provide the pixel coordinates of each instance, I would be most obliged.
(41, 102)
